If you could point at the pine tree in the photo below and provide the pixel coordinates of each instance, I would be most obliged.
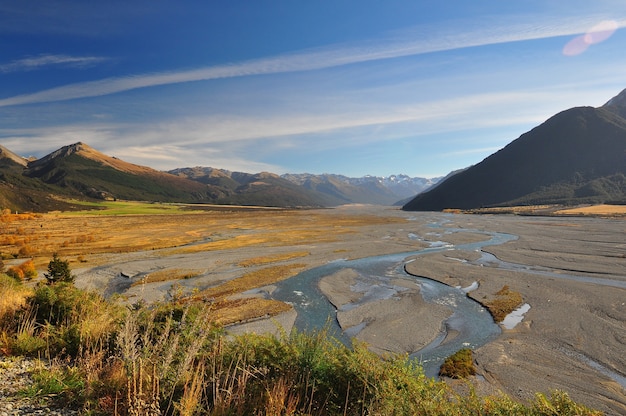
(59, 271)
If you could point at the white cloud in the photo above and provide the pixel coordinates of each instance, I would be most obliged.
(435, 116)
(419, 41)
(32, 63)
(168, 157)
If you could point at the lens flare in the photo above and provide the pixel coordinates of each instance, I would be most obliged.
(601, 32)
(598, 33)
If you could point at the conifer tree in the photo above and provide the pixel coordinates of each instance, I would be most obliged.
(59, 270)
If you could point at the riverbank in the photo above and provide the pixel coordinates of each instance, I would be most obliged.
(16, 375)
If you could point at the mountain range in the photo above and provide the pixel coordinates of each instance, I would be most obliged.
(80, 172)
(576, 157)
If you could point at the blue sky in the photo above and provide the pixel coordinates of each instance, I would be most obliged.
(348, 87)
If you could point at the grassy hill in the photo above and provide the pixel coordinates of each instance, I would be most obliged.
(78, 171)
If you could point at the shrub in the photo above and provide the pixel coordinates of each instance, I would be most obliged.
(458, 365)
(505, 302)
(26, 251)
(24, 271)
(57, 381)
(26, 341)
(72, 318)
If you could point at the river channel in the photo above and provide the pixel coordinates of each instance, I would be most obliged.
(470, 323)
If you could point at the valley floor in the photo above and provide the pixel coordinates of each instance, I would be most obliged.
(572, 338)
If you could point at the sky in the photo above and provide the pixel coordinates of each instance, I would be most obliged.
(366, 87)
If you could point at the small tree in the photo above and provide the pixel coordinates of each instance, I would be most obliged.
(59, 271)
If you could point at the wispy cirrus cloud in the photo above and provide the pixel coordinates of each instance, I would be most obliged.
(407, 43)
(32, 63)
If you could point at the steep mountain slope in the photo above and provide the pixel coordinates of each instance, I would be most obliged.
(6, 155)
(20, 193)
(577, 156)
(79, 169)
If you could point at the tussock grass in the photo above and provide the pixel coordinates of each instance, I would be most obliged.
(259, 261)
(129, 227)
(505, 302)
(251, 280)
(13, 296)
(603, 210)
(271, 238)
(167, 275)
(227, 312)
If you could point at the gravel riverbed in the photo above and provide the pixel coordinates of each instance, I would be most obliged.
(15, 376)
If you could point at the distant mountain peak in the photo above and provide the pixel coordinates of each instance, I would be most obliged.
(618, 101)
(86, 151)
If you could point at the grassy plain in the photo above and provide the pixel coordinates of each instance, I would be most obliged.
(125, 227)
(603, 210)
(597, 210)
(93, 236)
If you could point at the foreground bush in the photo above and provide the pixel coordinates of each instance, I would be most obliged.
(55, 320)
(171, 360)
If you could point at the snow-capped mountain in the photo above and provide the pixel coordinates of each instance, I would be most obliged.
(384, 190)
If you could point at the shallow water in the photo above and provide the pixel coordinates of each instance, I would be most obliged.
(511, 320)
(472, 324)
(490, 259)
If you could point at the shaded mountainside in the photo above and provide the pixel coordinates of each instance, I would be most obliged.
(19, 192)
(265, 189)
(576, 157)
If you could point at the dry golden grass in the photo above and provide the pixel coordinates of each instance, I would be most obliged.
(227, 312)
(167, 275)
(259, 261)
(86, 238)
(604, 210)
(522, 209)
(251, 280)
(505, 302)
(592, 210)
(12, 296)
(81, 237)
